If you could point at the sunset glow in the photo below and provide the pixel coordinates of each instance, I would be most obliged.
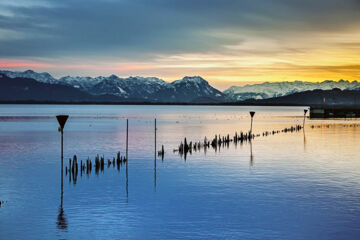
(253, 48)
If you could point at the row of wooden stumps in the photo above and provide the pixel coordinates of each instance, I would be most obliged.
(86, 166)
(353, 125)
(221, 141)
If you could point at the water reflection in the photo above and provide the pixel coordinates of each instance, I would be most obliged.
(127, 182)
(155, 172)
(61, 218)
(319, 190)
(304, 139)
(251, 155)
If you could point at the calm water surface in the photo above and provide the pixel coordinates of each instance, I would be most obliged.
(302, 185)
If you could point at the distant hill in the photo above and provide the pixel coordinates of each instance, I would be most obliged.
(30, 85)
(26, 89)
(278, 89)
(335, 96)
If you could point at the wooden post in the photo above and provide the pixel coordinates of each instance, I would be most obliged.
(305, 111)
(252, 116)
(62, 173)
(62, 153)
(251, 125)
(61, 219)
(155, 158)
(127, 160)
(127, 137)
(62, 120)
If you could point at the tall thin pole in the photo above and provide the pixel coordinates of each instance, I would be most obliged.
(304, 120)
(127, 137)
(127, 160)
(62, 168)
(62, 153)
(251, 125)
(62, 120)
(305, 111)
(155, 159)
(252, 113)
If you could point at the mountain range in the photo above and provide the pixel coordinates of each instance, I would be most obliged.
(30, 85)
(278, 89)
(147, 89)
(316, 97)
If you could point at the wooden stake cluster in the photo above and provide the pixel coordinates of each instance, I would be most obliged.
(330, 125)
(86, 166)
(222, 141)
(2, 203)
(161, 153)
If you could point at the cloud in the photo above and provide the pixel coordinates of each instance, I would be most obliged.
(223, 40)
(136, 28)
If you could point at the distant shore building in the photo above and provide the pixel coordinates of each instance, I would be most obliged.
(334, 112)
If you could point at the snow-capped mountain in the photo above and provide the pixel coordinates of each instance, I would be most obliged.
(131, 87)
(188, 89)
(147, 89)
(157, 90)
(194, 87)
(82, 83)
(40, 77)
(277, 89)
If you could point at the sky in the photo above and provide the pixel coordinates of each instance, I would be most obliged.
(227, 42)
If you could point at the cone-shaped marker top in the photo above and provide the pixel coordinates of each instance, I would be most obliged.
(62, 120)
(252, 113)
(305, 111)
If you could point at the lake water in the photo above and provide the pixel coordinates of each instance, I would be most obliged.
(300, 185)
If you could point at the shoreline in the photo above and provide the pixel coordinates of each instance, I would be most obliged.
(152, 103)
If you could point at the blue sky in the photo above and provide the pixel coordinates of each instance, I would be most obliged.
(228, 42)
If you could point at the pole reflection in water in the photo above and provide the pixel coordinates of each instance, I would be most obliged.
(304, 140)
(61, 218)
(127, 182)
(251, 155)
